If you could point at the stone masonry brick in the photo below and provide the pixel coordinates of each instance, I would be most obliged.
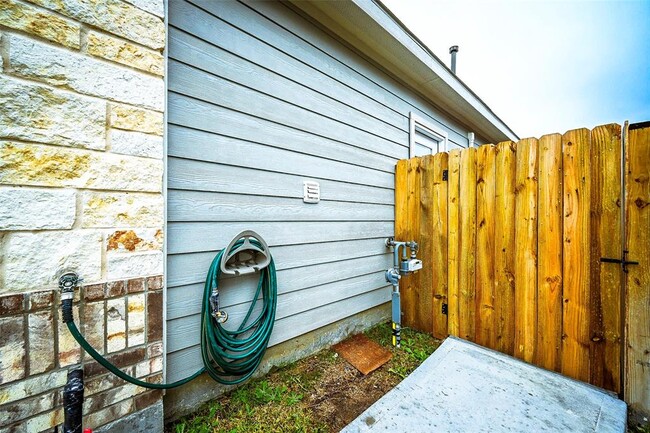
(136, 315)
(32, 112)
(40, 300)
(126, 53)
(137, 240)
(115, 209)
(115, 325)
(44, 421)
(49, 252)
(115, 288)
(32, 386)
(155, 7)
(115, 17)
(122, 359)
(155, 283)
(93, 325)
(148, 398)
(83, 74)
(136, 119)
(136, 143)
(108, 414)
(135, 285)
(41, 342)
(31, 209)
(40, 165)
(104, 382)
(18, 411)
(12, 347)
(68, 349)
(154, 316)
(93, 292)
(155, 349)
(111, 396)
(39, 22)
(132, 265)
(12, 304)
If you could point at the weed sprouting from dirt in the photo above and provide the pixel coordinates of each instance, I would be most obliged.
(319, 394)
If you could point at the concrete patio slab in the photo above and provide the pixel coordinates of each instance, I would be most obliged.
(463, 387)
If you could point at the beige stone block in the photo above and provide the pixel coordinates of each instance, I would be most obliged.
(137, 240)
(136, 143)
(115, 325)
(39, 22)
(84, 74)
(41, 342)
(69, 350)
(34, 260)
(12, 348)
(31, 112)
(126, 53)
(131, 265)
(33, 386)
(32, 209)
(114, 209)
(114, 16)
(93, 326)
(45, 421)
(155, 349)
(155, 7)
(136, 314)
(41, 165)
(136, 119)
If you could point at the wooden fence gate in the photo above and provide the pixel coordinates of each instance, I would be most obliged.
(514, 239)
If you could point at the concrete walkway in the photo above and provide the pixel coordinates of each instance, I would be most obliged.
(463, 387)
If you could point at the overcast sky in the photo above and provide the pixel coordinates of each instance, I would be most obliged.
(544, 67)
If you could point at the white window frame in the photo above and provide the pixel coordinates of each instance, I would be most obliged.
(435, 131)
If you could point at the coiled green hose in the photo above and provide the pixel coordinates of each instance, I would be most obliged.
(229, 357)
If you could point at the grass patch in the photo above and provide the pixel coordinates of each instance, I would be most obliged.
(319, 394)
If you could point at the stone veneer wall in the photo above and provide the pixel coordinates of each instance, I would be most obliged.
(81, 179)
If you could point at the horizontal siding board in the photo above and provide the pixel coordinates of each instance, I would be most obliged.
(212, 206)
(185, 174)
(301, 38)
(210, 88)
(205, 116)
(202, 55)
(186, 300)
(201, 24)
(191, 268)
(205, 236)
(185, 362)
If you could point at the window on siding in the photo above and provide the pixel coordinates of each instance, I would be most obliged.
(425, 137)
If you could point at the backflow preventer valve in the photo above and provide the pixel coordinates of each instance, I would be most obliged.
(407, 264)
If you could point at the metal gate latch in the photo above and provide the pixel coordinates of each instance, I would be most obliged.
(622, 261)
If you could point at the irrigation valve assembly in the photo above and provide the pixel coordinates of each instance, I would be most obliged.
(229, 356)
(405, 265)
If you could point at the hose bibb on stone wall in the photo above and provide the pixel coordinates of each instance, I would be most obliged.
(229, 357)
(405, 266)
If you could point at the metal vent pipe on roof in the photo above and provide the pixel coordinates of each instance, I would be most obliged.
(453, 50)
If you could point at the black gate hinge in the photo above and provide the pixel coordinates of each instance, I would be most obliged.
(445, 174)
(622, 261)
(444, 309)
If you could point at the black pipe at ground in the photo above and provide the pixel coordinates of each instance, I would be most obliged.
(73, 399)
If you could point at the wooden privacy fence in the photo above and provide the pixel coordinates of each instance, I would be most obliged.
(512, 238)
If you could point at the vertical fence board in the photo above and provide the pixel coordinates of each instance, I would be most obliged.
(408, 283)
(439, 239)
(637, 302)
(576, 257)
(453, 245)
(423, 279)
(467, 209)
(485, 210)
(526, 249)
(549, 253)
(606, 241)
(504, 249)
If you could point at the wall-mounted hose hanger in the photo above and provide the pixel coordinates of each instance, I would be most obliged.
(229, 357)
(404, 266)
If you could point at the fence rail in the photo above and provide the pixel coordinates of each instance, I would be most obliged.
(512, 236)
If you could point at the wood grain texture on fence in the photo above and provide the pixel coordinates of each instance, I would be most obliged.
(637, 300)
(439, 243)
(549, 254)
(576, 256)
(453, 245)
(512, 241)
(504, 248)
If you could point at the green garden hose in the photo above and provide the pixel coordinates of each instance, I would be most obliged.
(229, 357)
